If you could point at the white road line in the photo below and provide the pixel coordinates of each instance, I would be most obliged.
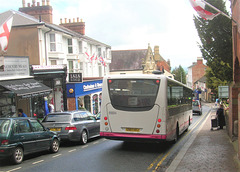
(72, 150)
(85, 146)
(95, 142)
(37, 162)
(56, 155)
(14, 169)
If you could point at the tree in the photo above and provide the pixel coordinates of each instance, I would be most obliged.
(179, 74)
(216, 43)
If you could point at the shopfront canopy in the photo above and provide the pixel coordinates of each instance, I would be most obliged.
(26, 88)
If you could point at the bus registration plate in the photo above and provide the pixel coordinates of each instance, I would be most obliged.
(133, 129)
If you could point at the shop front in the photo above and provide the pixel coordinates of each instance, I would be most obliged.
(86, 95)
(19, 90)
(55, 78)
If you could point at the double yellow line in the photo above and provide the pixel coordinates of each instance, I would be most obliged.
(161, 161)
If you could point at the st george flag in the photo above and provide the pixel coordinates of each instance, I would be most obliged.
(199, 6)
(102, 61)
(5, 30)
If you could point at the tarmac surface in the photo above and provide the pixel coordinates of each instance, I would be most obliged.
(207, 151)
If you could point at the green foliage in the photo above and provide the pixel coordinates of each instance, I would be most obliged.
(179, 74)
(216, 44)
(213, 82)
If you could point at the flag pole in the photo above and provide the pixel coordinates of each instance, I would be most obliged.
(219, 11)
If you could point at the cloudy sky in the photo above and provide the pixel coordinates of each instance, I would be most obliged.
(133, 24)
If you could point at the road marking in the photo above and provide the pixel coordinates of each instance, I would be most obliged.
(85, 146)
(161, 161)
(72, 150)
(14, 169)
(56, 155)
(37, 162)
(96, 142)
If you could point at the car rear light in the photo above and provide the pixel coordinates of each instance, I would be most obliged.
(4, 142)
(199, 106)
(71, 128)
(109, 81)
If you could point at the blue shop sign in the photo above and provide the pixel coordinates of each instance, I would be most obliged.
(82, 89)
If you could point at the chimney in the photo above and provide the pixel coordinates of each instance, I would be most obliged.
(199, 60)
(44, 12)
(78, 26)
(23, 3)
(48, 2)
(33, 3)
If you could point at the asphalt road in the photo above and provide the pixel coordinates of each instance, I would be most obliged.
(106, 155)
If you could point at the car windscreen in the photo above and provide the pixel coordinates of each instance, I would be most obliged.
(4, 126)
(61, 117)
(133, 94)
(195, 103)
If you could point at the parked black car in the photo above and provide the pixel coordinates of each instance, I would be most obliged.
(21, 136)
(73, 125)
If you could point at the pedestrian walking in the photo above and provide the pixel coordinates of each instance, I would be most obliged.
(221, 117)
(21, 114)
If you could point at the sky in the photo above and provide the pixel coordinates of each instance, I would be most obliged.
(133, 24)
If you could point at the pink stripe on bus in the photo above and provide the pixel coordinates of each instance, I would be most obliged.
(142, 136)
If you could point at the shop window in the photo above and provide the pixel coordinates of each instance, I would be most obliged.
(95, 103)
(87, 103)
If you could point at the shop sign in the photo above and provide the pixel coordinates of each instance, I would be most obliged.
(39, 67)
(94, 86)
(75, 77)
(12, 66)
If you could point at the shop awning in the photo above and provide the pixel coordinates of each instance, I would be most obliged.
(26, 88)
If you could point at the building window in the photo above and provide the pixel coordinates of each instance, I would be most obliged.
(80, 47)
(70, 46)
(70, 66)
(53, 62)
(99, 52)
(52, 42)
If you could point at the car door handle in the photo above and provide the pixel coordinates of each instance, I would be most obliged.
(22, 137)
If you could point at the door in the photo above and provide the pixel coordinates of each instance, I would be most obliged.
(26, 136)
(42, 136)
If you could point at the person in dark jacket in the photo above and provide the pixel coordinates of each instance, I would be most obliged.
(21, 114)
(221, 117)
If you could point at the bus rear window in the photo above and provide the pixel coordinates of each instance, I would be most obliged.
(133, 94)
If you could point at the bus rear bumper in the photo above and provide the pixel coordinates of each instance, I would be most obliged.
(126, 136)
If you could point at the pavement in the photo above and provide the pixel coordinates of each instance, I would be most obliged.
(207, 151)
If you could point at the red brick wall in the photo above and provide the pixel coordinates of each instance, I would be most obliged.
(163, 64)
(198, 70)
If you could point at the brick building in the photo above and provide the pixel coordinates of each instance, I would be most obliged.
(234, 92)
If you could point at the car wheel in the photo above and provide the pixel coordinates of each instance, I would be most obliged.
(17, 156)
(84, 137)
(54, 146)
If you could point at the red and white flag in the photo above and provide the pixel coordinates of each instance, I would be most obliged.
(5, 30)
(199, 6)
(87, 55)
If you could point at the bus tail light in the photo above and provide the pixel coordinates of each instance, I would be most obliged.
(158, 126)
(105, 118)
(159, 120)
(106, 123)
(157, 131)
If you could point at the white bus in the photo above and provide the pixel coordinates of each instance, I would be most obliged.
(144, 107)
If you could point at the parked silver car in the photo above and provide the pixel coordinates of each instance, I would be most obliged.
(73, 125)
(197, 107)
